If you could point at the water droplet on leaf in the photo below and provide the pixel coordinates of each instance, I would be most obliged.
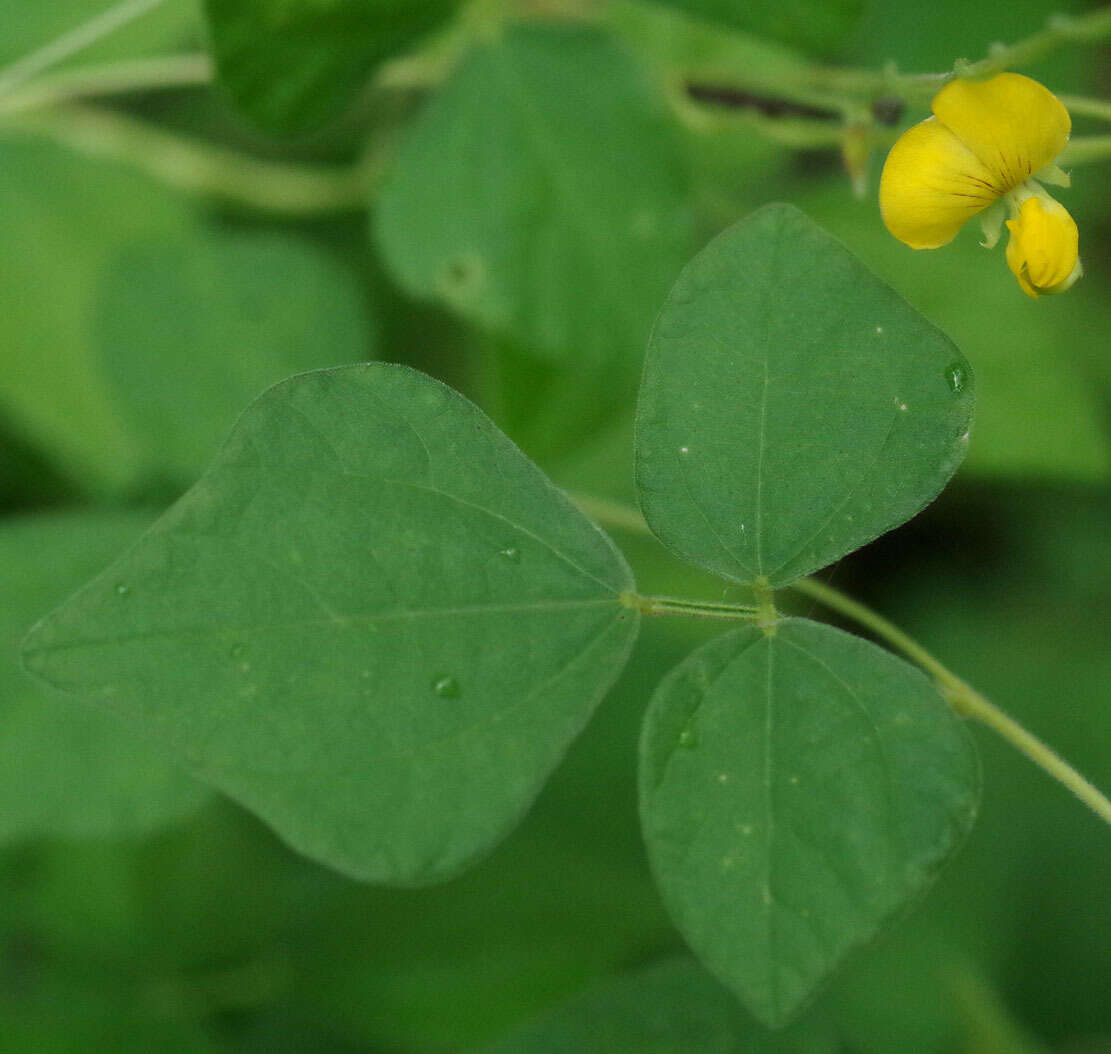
(447, 688)
(122, 590)
(511, 553)
(956, 376)
(688, 738)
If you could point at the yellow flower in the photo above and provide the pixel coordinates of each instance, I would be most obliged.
(983, 152)
(1042, 250)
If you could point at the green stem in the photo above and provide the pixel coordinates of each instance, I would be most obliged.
(894, 636)
(653, 605)
(73, 41)
(961, 696)
(1059, 30)
(202, 168)
(1086, 148)
(115, 78)
(1082, 106)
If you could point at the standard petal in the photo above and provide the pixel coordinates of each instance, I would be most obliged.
(931, 185)
(1013, 124)
(1042, 253)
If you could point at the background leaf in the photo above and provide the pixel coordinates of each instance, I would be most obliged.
(793, 406)
(291, 65)
(56, 208)
(28, 27)
(134, 332)
(313, 627)
(189, 331)
(540, 195)
(669, 1007)
(67, 769)
(812, 25)
(796, 791)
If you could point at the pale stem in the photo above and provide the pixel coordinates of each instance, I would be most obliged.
(1085, 149)
(202, 168)
(652, 605)
(73, 41)
(1059, 30)
(1082, 106)
(115, 78)
(963, 698)
(297, 190)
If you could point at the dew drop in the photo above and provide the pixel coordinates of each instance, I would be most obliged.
(123, 590)
(447, 688)
(956, 377)
(688, 738)
(511, 553)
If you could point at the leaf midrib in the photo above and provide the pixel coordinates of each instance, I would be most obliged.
(341, 622)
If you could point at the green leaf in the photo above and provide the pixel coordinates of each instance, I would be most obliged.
(63, 219)
(793, 406)
(813, 25)
(1039, 408)
(563, 222)
(373, 622)
(29, 27)
(291, 65)
(797, 790)
(136, 333)
(189, 331)
(66, 769)
(670, 1007)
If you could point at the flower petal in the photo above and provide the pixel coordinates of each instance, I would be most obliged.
(1013, 124)
(931, 185)
(1042, 253)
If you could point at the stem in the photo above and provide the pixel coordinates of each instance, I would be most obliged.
(894, 636)
(1086, 148)
(115, 78)
(691, 608)
(1059, 30)
(73, 41)
(201, 168)
(961, 696)
(1082, 106)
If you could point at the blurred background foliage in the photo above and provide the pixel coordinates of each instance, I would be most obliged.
(506, 211)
